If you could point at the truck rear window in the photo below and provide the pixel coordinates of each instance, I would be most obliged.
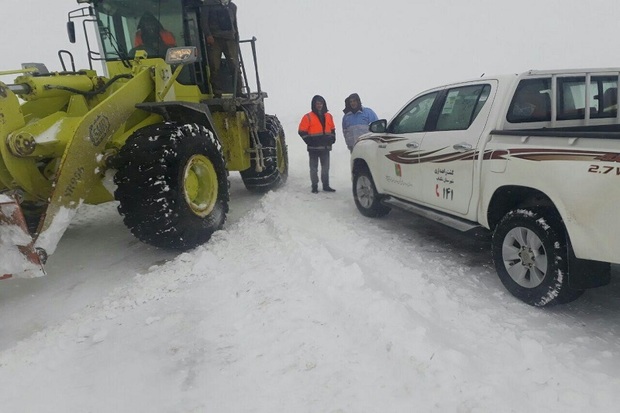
(601, 97)
(574, 99)
(531, 102)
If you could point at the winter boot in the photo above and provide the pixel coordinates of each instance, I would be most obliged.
(328, 188)
(315, 189)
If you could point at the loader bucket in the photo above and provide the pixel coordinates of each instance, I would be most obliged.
(17, 253)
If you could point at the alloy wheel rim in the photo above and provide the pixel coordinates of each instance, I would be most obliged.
(365, 194)
(525, 257)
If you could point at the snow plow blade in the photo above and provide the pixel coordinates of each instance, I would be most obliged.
(18, 256)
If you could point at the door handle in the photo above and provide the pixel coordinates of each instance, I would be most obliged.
(462, 147)
(412, 145)
(382, 145)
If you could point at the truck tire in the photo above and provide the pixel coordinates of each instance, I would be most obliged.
(531, 257)
(172, 185)
(365, 195)
(275, 154)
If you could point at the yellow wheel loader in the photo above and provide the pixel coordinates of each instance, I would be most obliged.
(149, 133)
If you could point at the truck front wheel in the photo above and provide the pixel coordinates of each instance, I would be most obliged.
(365, 195)
(172, 185)
(531, 257)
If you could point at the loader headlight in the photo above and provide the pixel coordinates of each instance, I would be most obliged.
(181, 55)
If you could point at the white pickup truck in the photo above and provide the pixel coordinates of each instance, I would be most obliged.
(533, 157)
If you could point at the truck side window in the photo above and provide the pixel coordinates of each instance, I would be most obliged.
(461, 107)
(531, 102)
(413, 117)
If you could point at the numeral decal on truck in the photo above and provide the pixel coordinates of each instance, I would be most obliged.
(605, 170)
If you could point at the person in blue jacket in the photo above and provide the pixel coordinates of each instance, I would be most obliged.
(356, 119)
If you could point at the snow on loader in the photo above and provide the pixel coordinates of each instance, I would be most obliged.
(150, 133)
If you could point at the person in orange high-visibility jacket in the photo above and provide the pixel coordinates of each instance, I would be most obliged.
(152, 37)
(319, 132)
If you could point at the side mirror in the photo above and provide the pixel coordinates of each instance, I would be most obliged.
(378, 126)
(71, 31)
(181, 55)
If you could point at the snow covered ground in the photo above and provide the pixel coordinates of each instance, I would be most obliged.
(299, 305)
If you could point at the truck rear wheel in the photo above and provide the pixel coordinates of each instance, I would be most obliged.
(275, 155)
(531, 257)
(365, 195)
(172, 185)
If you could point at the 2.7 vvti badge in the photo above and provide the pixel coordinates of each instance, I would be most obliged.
(533, 157)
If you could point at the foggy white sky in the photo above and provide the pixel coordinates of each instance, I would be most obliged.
(387, 51)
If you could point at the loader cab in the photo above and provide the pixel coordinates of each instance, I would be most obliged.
(125, 26)
(122, 27)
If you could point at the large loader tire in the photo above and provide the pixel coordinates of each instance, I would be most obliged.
(275, 154)
(172, 185)
(531, 257)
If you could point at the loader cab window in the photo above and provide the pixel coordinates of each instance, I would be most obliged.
(127, 26)
(152, 37)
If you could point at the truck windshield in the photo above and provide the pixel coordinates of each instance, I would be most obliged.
(126, 26)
